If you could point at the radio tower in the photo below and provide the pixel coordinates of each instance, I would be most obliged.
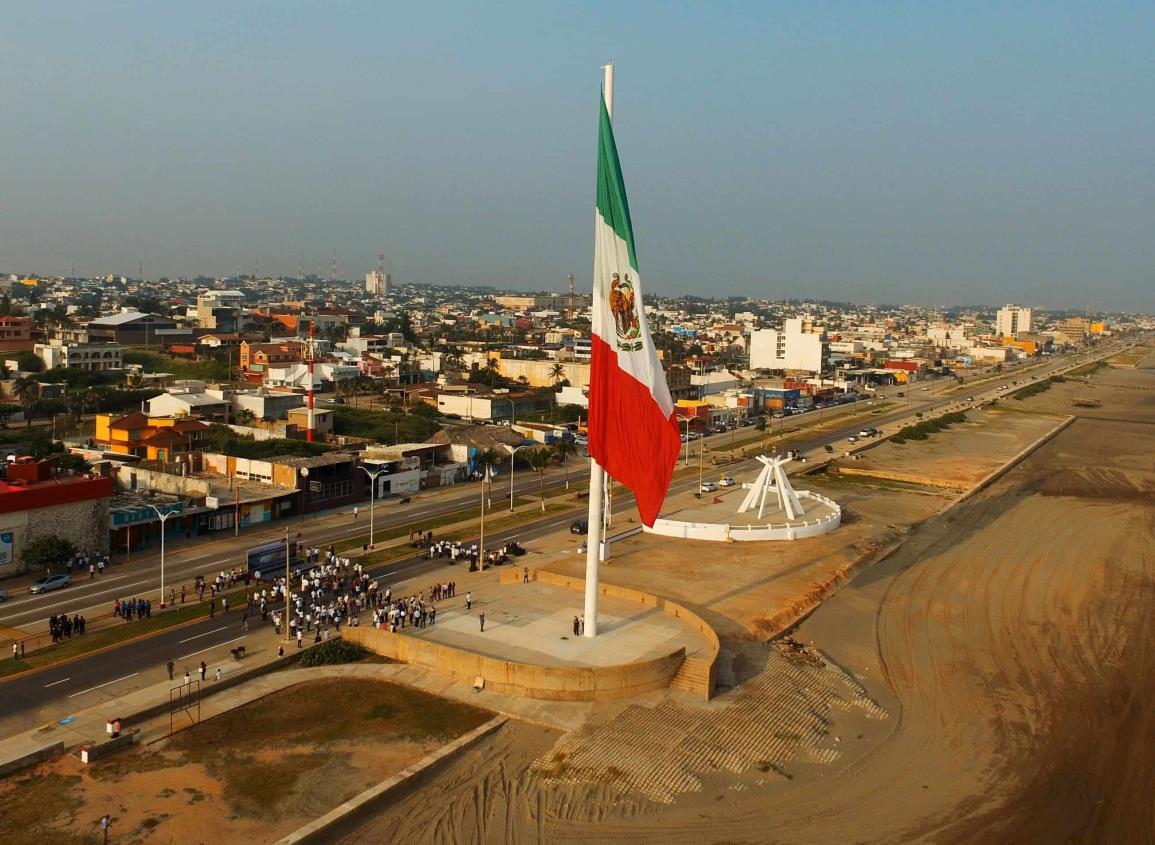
(333, 268)
(570, 317)
(300, 268)
(381, 263)
(310, 349)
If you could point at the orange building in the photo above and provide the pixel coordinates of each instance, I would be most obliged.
(151, 438)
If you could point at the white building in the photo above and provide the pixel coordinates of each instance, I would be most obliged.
(378, 283)
(80, 356)
(1013, 321)
(800, 346)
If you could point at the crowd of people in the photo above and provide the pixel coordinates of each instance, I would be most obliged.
(461, 552)
(130, 609)
(63, 627)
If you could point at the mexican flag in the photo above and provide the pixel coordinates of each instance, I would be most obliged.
(633, 433)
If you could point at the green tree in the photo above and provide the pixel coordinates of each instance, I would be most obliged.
(538, 460)
(563, 449)
(557, 373)
(47, 551)
(486, 461)
(29, 362)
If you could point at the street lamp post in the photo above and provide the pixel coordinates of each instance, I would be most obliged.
(163, 517)
(686, 459)
(512, 460)
(373, 476)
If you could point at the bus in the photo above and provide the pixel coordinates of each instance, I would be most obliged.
(269, 559)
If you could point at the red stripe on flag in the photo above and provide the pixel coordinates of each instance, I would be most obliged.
(628, 435)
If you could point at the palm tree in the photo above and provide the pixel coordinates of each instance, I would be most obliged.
(26, 390)
(557, 373)
(487, 459)
(563, 449)
(538, 460)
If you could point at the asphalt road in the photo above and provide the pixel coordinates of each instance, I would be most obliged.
(87, 681)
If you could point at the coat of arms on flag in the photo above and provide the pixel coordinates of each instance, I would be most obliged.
(623, 306)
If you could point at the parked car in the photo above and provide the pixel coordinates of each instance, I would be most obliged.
(709, 486)
(853, 438)
(868, 432)
(3, 594)
(52, 582)
(579, 526)
(726, 481)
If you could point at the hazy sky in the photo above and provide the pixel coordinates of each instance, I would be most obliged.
(874, 151)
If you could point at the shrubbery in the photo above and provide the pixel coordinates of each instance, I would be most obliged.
(332, 652)
(923, 430)
(1036, 388)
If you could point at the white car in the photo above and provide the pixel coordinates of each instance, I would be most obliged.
(726, 481)
(853, 438)
(709, 486)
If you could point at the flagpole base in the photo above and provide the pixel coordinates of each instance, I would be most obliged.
(594, 547)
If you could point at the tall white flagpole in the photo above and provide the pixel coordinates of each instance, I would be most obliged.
(597, 474)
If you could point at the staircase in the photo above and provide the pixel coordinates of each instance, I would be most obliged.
(694, 676)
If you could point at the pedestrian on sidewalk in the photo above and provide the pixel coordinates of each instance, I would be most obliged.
(15, 651)
(169, 665)
(525, 575)
(582, 625)
(356, 511)
(225, 604)
(105, 824)
(204, 669)
(91, 571)
(481, 617)
(469, 600)
(575, 626)
(218, 673)
(300, 637)
(182, 588)
(187, 679)
(212, 608)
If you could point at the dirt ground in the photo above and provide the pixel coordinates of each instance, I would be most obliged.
(248, 776)
(988, 682)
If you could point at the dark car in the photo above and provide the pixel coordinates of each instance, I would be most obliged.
(579, 526)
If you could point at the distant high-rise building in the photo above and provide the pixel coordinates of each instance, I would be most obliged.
(1013, 320)
(800, 346)
(378, 282)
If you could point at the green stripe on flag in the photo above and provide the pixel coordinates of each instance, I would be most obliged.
(612, 204)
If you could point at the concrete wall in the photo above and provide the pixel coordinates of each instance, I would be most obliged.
(756, 533)
(84, 523)
(555, 683)
(709, 660)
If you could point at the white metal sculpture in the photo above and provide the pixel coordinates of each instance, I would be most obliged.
(773, 477)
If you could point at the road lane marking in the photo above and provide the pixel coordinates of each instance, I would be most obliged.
(106, 683)
(205, 634)
(210, 648)
(54, 683)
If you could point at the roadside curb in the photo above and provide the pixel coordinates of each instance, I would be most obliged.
(319, 830)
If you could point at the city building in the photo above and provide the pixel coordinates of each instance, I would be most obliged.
(164, 439)
(799, 347)
(17, 334)
(378, 283)
(129, 328)
(38, 500)
(219, 310)
(1013, 320)
(492, 406)
(80, 356)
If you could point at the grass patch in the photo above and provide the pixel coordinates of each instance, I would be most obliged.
(304, 715)
(1087, 369)
(925, 428)
(38, 806)
(1035, 389)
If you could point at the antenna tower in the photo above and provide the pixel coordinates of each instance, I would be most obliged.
(570, 316)
(333, 267)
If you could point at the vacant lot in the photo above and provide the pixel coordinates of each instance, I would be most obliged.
(248, 776)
